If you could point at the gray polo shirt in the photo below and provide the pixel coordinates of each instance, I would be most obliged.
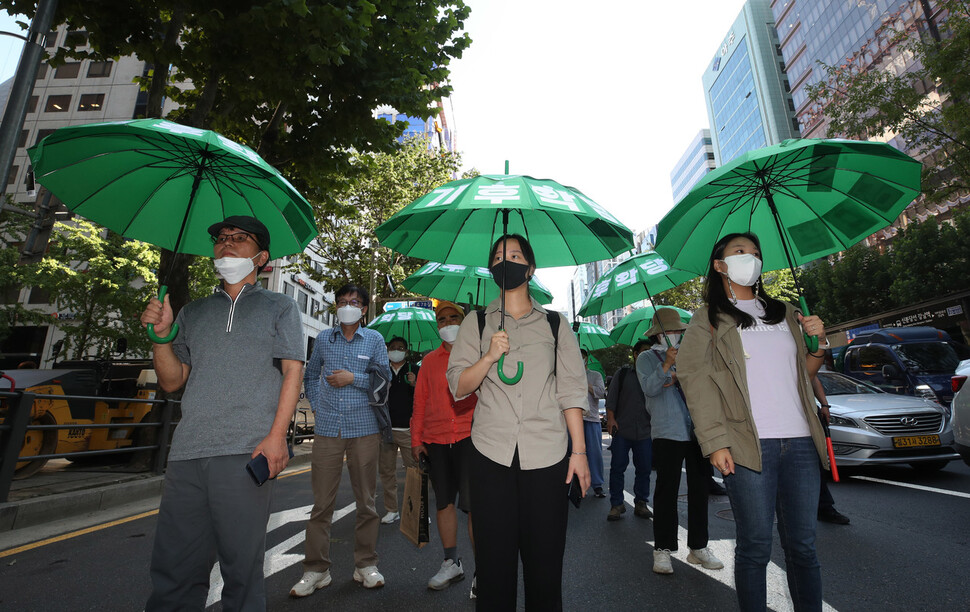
(234, 350)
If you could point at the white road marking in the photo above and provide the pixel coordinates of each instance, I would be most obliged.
(914, 486)
(277, 558)
(777, 582)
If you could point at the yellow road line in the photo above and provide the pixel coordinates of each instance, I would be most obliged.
(81, 532)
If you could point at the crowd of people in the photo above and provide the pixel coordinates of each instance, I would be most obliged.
(732, 389)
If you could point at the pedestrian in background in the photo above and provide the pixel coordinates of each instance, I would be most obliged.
(674, 446)
(628, 422)
(520, 466)
(826, 503)
(400, 403)
(593, 426)
(239, 354)
(441, 430)
(336, 384)
(746, 372)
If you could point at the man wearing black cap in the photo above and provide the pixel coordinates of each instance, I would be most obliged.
(239, 355)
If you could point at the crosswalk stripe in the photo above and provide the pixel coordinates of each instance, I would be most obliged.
(914, 486)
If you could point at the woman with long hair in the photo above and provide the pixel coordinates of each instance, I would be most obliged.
(746, 373)
(520, 468)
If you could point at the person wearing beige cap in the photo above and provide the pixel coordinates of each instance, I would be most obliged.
(674, 445)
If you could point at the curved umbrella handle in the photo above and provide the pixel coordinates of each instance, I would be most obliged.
(810, 341)
(510, 380)
(151, 326)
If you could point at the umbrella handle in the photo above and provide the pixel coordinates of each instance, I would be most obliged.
(520, 369)
(835, 470)
(151, 326)
(810, 341)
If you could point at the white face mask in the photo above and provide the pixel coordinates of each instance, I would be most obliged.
(673, 338)
(449, 333)
(396, 356)
(743, 269)
(348, 315)
(235, 269)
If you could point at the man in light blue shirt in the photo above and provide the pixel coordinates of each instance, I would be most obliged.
(336, 381)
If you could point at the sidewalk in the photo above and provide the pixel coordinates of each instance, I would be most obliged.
(62, 490)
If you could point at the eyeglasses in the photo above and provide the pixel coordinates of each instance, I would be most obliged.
(355, 303)
(238, 237)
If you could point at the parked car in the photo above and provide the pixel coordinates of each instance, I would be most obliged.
(908, 360)
(961, 410)
(872, 427)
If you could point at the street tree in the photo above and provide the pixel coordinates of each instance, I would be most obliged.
(13, 230)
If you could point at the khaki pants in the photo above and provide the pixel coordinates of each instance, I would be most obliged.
(327, 463)
(388, 465)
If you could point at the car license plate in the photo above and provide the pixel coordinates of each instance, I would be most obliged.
(914, 441)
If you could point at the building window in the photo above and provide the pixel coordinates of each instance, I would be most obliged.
(287, 289)
(23, 138)
(58, 104)
(91, 102)
(99, 69)
(39, 296)
(12, 177)
(42, 134)
(68, 71)
(32, 105)
(302, 301)
(77, 38)
(41, 71)
(51, 40)
(314, 308)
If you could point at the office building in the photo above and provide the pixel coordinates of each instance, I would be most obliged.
(694, 164)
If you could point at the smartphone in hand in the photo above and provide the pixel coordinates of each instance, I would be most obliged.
(575, 491)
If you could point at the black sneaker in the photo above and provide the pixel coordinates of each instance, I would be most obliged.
(598, 492)
(831, 515)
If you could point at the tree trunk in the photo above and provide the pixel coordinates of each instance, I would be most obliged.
(160, 64)
(272, 133)
(206, 101)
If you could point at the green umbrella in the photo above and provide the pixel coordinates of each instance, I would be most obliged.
(460, 221)
(804, 198)
(166, 183)
(595, 365)
(466, 284)
(638, 278)
(592, 337)
(631, 328)
(416, 325)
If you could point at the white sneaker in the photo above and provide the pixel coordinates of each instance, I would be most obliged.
(474, 592)
(310, 582)
(369, 577)
(705, 558)
(450, 572)
(390, 517)
(661, 562)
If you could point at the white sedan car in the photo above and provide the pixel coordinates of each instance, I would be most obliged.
(872, 427)
(961, 410)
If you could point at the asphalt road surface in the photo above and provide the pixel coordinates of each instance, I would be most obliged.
(906, 549)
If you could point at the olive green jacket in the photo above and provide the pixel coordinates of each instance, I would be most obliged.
(712, 372)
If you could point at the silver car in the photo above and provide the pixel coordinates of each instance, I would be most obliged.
(872, 427)
(961, 410)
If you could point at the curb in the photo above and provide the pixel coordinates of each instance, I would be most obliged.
(49, 508)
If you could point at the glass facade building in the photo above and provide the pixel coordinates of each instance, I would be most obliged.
(746, 87)
(697, 161)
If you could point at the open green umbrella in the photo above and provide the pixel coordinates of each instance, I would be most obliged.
(416, 325)
(631, 328)
(593, 337)
(465, 284)
(166, 183)
(460, 221)
(638, 278)
(804, 198)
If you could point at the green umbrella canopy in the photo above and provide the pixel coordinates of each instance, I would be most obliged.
(595, 365)
(828, 194)
(592, 337)
(416, 325)
(631, 328)
(166, 183)
(459, 221)
(638, 278)
(465, 284)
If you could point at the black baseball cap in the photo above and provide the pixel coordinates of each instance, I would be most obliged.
(250, 225)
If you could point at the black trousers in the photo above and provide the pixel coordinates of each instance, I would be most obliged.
(668, 456)
(518, 513)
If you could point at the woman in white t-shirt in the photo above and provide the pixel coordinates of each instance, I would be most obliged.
(746, 373)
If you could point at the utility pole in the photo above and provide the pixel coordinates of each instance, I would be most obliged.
(23, 86)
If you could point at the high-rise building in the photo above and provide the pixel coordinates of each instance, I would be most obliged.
(697, 161)
(746, 88)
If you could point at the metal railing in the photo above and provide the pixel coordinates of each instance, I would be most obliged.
(13, 432)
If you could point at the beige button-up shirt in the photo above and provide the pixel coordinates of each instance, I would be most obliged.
(526, 415)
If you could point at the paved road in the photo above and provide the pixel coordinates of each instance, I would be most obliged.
(906, 549)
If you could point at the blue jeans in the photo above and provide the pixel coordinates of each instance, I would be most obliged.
(594, 451)
(620, 459)
(787, 484)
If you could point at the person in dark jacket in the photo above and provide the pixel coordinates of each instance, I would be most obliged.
(400, 403)
(628, 421)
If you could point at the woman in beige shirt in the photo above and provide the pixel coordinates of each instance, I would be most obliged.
(520, 467)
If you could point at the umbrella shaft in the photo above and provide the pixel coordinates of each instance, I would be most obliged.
(781, 235)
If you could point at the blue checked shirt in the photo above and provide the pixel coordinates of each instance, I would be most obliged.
(344, 412)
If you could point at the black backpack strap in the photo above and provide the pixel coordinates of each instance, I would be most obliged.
(481, 329)
(554, 319)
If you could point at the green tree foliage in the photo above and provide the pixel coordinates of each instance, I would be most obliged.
(612, 358)
(13, 230)
(927, 106)
(689, 296)
(388, 182)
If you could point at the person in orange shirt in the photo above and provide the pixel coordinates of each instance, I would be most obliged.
(441, 430)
